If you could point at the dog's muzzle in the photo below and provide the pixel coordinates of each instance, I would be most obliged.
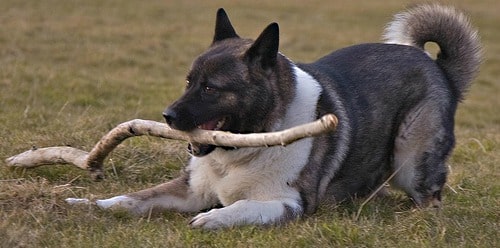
(170, 116)
(196, 149)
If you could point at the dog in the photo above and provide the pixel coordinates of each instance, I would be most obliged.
(395, 106)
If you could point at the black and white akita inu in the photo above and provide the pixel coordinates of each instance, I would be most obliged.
(395, 106)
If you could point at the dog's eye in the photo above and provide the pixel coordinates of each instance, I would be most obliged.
(188, 83)
(209, 89)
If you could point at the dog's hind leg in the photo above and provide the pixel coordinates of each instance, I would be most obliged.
(422, 145)
(173, 195)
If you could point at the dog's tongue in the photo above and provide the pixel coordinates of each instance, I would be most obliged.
(210, 125)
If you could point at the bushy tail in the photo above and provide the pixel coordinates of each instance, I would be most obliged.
(459, 43)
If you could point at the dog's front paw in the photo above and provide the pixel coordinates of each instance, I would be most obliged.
(213, 219)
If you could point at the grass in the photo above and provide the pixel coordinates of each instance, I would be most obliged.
(72, 70)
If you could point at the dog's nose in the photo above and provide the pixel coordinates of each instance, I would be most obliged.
(169, 116)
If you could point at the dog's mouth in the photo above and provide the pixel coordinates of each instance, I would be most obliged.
(200, 150)
(215, 124)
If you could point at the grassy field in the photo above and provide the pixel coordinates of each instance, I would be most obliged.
(72, 70)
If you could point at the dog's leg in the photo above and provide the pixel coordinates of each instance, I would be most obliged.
(175, 195)
(244, 212)
(424, 141)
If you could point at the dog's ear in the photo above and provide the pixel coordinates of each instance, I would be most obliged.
(265, 49)
(223, 27)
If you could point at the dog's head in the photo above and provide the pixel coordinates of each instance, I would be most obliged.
(231, 86)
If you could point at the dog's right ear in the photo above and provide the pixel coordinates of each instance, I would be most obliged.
(223, 28)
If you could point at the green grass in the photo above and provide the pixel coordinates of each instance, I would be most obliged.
(72, 70)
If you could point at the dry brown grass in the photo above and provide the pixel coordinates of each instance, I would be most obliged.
(72, 70)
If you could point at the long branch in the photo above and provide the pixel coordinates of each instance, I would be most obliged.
(94, 159)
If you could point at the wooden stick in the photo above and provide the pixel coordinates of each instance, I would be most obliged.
(94, 159)
(49, 155)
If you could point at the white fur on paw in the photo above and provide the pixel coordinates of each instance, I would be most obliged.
(117, 201)
(213, 219)
(243, 212)
(77, 201)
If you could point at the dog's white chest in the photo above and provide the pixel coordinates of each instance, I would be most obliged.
(266, 176)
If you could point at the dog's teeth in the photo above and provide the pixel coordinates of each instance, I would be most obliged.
(219, 124)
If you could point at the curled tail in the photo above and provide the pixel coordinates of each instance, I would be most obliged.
(458, 41)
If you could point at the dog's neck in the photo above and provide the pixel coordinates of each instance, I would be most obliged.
(302, 109)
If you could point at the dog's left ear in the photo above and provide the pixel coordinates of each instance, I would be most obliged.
(223, 27)
(265, 49)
